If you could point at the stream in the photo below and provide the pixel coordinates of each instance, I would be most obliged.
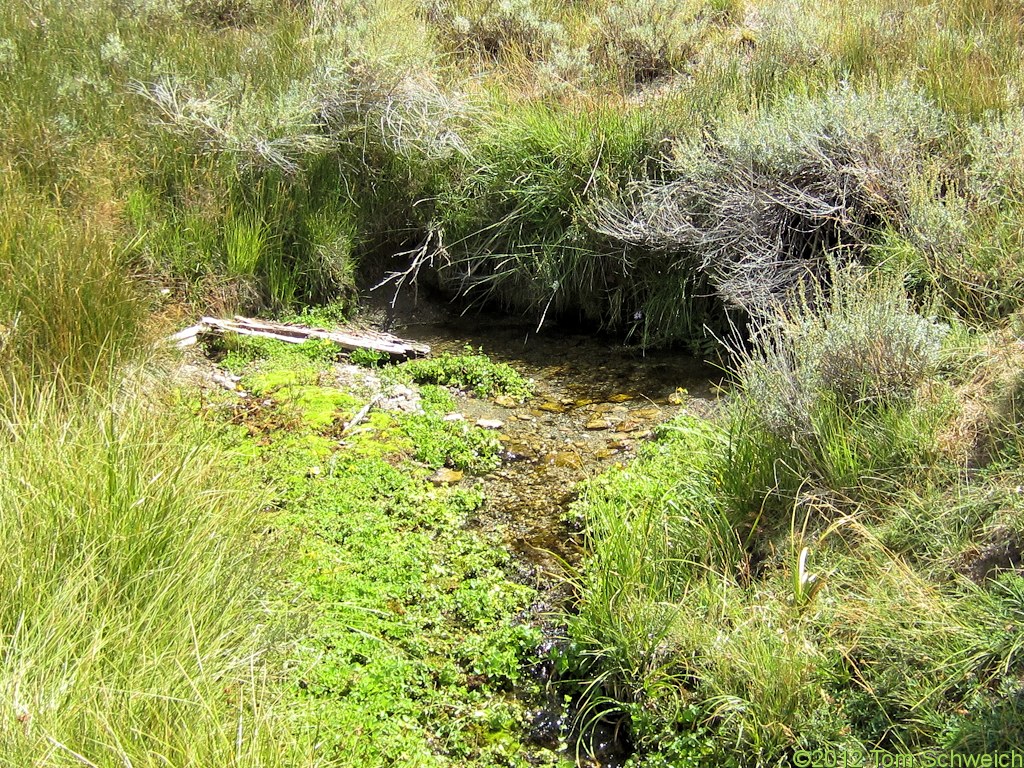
(595, 402)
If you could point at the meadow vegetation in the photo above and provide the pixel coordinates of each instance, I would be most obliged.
(832, 564)
(829, 195)
(413, 639)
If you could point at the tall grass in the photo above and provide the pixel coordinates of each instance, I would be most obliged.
(68, 306)
(134, 628)
(778, 580)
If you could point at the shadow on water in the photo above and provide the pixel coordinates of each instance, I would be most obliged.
(596, 401)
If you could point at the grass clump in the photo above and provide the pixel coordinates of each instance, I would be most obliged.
(505, 29)
(134, 625)
(863, 346)
(645, 41)
(67, 305)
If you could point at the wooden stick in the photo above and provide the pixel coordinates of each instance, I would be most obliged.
(358, 418)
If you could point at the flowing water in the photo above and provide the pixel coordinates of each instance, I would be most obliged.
(596, 401)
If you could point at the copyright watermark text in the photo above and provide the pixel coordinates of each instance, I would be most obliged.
(878, 758)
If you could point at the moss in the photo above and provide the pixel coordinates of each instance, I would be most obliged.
(415, 631)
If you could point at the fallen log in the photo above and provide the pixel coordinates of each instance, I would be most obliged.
(385, 343)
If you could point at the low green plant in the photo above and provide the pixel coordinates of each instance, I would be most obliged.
(370, 358)
(472, 371)
(415, 632)
(452, 443)
(239, 351)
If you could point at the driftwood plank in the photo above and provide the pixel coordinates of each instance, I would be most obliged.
(297, 334)
(189, 336)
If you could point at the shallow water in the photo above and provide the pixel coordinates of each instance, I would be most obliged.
(596, 401)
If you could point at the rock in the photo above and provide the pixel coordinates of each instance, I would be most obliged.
(490, 423)
(453, 417)
(445, 476)
(563, 459)
(627, 426)
(596, 424)
(620, 398)
(227, 381)
(524, 417)
(551, 407)
(400, 398)
(505, 401)
(679, 397)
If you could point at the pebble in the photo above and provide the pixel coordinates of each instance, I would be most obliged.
(646, 413)
(598, 424)
(453, 417)
(551, 407)
(445, 476)
(505, 401)
(516, 451)
(490, 423)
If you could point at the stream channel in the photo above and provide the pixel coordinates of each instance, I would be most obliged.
(595, 402)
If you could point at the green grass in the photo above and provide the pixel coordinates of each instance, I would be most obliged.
(135, 621)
